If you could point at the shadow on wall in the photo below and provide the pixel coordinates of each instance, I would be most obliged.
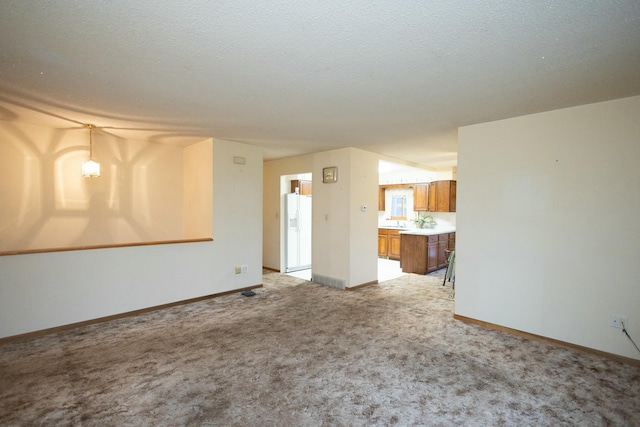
(46, 203)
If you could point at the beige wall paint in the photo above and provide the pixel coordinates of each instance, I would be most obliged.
(547, 223)
(331, 219)
(363, 192)
(198, 197)
(344, 242)
(39, 291)
(272, 251)
(46, 203)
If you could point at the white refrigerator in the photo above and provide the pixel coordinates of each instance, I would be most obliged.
(298, 232)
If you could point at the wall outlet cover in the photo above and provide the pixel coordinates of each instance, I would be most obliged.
(617, 321)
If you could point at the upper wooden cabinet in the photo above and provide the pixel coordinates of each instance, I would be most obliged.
(442, 196)
(436, 196)
(304, 186)
(421, 197)
(381, 201)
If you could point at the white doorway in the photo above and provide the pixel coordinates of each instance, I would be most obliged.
(387, 269)
(296, 225)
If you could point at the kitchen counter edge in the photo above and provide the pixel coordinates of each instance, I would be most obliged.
(428, 231)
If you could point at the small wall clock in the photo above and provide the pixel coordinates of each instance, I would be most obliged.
(330, 174)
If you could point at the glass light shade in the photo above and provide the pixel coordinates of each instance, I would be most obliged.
(90, 169)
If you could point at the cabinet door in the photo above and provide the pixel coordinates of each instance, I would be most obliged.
(442, 196)
(383, 246)
(452, 196)
(381, 201)
(303, 186)
(394, 245)
(432, 197)
(306, 188)
(295, 183)
(442, 255)
(413, 258)
(452, 241)
(421, 197)
(432, 258)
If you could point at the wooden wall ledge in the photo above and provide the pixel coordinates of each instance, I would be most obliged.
(118, 245)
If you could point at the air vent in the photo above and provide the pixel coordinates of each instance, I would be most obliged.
(329, 281)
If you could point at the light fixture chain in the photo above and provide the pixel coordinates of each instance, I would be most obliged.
(90, 168)
(90, 142)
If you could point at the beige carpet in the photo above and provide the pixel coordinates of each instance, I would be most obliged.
(301, 354)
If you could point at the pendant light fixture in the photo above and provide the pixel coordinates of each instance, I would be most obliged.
(90, 168)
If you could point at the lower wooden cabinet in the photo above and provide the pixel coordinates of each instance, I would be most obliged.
(432, 260)
(389, 243)
(383, 243)
(394, 244)
(423, 254)
(414, 253)
(443, 245)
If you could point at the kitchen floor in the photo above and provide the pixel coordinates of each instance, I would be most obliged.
(387, 269)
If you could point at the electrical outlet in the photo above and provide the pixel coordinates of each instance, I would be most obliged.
(244, 268)
(616, 321)
(238, 269)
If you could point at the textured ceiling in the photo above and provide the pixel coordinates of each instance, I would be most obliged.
(297, 77)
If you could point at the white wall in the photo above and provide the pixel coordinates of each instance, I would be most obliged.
(331, 216)
(363, 247)
(344, 240)
(272, 251)
(39, 291)
(547, 223)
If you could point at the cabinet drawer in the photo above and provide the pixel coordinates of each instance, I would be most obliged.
(393, 232)
(443, 237)
(433, 238)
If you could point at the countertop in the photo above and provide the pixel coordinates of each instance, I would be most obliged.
(429, 231)
(423, 231)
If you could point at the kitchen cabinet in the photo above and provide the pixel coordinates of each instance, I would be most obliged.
(442, 196)
(436, 196)
(413, 258)
(443, 245)
(394, 244)
(389, 243)
(432, 196)
(304, 186)
(432, 253)
(421, 197)
(383, 242)
(423, 254)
